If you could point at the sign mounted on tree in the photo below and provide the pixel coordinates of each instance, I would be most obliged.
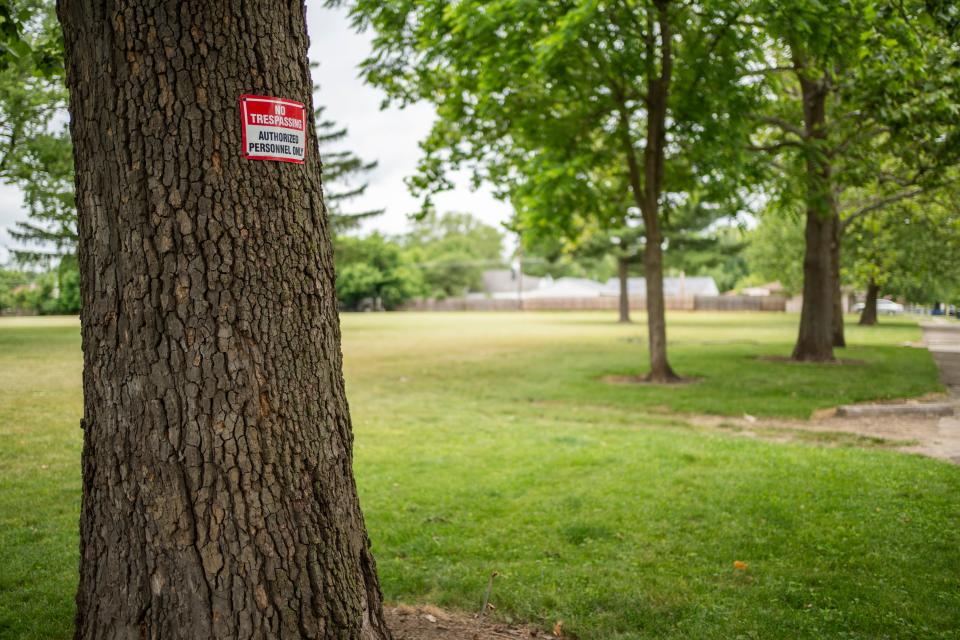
(273, 129)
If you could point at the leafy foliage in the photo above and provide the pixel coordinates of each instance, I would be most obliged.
(910, 248)
(572, 111)
(775, 251)
(452, 251)
(31, 292)
(35, 150)
(441, 256)
(373, 273)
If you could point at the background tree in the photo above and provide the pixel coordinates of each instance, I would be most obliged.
(717, 253)
(43, 170)
(775, 249)
(35, 151)
(590, 213)
(907, 249)
(373, 273)
(558, 257)
(529, 92)
(850, 83)
(451, 251)
(341, 169)
(218, 495)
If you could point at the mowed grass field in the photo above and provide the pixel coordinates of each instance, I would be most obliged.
(490, 443)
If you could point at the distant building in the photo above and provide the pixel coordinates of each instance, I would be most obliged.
(507, 281)
(680, 287)
(503, 284)
(566, 288)
(769, 289)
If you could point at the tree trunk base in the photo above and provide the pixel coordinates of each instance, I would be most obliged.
(663, 377)
(868, 317)
(839, 340)
(802, 355)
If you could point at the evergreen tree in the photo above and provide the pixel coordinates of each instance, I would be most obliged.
(340, 170)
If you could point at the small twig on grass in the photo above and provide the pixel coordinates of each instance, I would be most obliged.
(486, 596)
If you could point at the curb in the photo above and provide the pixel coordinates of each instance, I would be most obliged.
(919, 408)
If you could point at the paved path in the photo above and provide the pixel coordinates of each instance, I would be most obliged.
(943, 341)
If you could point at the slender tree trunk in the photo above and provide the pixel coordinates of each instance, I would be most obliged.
(218, 494)
(647, 193)
(658, 93)
(660, 370)
(815, 340)
(868, 317)
(623, 274)
(839, 339)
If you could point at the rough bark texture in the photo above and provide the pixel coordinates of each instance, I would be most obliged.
(623, 274)
(815, 340)
(218, 494)
(868, 317)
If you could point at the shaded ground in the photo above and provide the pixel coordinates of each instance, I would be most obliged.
(431, 623)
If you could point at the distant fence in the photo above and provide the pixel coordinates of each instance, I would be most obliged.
(605, 303)
(740, 303)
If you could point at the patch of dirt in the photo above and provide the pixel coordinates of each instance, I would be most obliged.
(427, 622)
(934, 436)
(854, 362)
(643, 380)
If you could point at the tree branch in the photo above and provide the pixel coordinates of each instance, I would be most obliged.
(767, 71)
(781, 124)
(777, 146)
(879, 204)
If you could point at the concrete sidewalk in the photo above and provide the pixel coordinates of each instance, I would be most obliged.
(943, 341)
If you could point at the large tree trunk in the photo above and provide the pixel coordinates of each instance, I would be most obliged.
(868, 317)
(218, 494)
(623, 275)
(839, 338)
(815, 340)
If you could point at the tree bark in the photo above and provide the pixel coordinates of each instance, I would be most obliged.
(815, 339)
(218, 492)
(839, 338)
(868, 317)
(623, 275)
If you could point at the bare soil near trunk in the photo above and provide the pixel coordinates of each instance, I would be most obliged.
(427, 622)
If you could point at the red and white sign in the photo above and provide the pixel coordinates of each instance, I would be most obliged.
(273, 129)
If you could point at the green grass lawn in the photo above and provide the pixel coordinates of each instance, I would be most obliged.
(488, 442)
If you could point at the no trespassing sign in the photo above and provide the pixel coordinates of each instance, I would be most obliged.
(273, 129)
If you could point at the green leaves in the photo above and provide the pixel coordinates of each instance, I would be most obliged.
(30, 38)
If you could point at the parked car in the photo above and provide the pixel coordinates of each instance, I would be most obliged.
(884, 307)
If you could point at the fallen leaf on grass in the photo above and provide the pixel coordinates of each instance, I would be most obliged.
(740, 565)
(558, 628)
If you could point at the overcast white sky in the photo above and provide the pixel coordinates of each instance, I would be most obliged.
(389, 136)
